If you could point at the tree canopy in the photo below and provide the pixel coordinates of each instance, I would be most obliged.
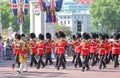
(8, 17)
(107, 13)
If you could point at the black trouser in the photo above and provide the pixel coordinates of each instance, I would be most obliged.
(97, 58)
(102, 62)
(74, 56)
(48, 58)
(106, 58)
(33, 60)
(85, 62)
(61, 61)
(57, 59)
(78, 60)
(16, 60)
(93, 58)
(110, 57)
(40, 61)
(64, 58)
(115, 58)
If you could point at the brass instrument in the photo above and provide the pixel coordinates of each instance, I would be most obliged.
(84, 41)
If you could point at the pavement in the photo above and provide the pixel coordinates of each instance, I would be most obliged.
(51, 72)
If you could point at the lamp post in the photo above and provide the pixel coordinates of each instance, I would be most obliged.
(100, 27)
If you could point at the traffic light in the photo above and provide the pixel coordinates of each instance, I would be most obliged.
(79, 26)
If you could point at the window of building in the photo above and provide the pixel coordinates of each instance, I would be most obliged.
(68, 22)
(68, 17)
(64, 22)
(64, 17)
(61, 22)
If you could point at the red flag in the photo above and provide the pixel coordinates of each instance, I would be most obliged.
(83, 1)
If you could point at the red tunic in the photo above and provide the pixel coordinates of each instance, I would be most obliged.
(108, 47)
(40, 48)
(78, 47)
(85, 49)
(33, 45)
(48, 46)
(116, 47)
(61, 47)
(102, 48)
(16, 49)
(93, 46)
(56, 47)
(74, 45)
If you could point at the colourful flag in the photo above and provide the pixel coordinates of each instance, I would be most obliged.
(14, 8)
(83, 1)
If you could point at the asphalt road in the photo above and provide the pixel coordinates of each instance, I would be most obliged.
(51, 72)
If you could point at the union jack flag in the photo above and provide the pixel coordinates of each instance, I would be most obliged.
(14, 8)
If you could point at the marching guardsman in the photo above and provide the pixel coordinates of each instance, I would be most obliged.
(40, 50)
(33, 49)
(74, 43)
(23, 54)
(101, 51)
(15, 45)
(78, 51)
(116, 50)
(93, 48)
(48, 49)
(56, 48)
(108, 47)
(85, 49)
(61, 50)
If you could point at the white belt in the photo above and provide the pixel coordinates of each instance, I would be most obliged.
(102, 48)
(85, 48)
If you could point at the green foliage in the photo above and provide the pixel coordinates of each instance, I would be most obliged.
(106, 12)
(63, 28)
(7, 17)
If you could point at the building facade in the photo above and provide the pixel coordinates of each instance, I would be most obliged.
(71, 12)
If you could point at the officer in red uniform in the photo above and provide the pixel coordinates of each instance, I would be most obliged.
(61, 50)
(93, 48)
(108, 47)
(40, 50)
(16, 49)
(116, 50)
(78, 51)
(32, 45)
(48, 49)
(101, 51)
(74, 43)
(85, 49)
(56, 48)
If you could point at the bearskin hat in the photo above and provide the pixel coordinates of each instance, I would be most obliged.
(48, 36)
(93, 35)
(78, 35)
(85, 36)
(22, 35)
(101, 37)
(32, 35)
(115, 36)
(56, 34)
(106, 36)
(41, 36)
(17, 36)
(73, 37)
(61, 34)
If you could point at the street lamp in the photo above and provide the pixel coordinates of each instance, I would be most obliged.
(100, 27)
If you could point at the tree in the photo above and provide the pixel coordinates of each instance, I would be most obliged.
(7, 17)
(106, 12)
(63, 28)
